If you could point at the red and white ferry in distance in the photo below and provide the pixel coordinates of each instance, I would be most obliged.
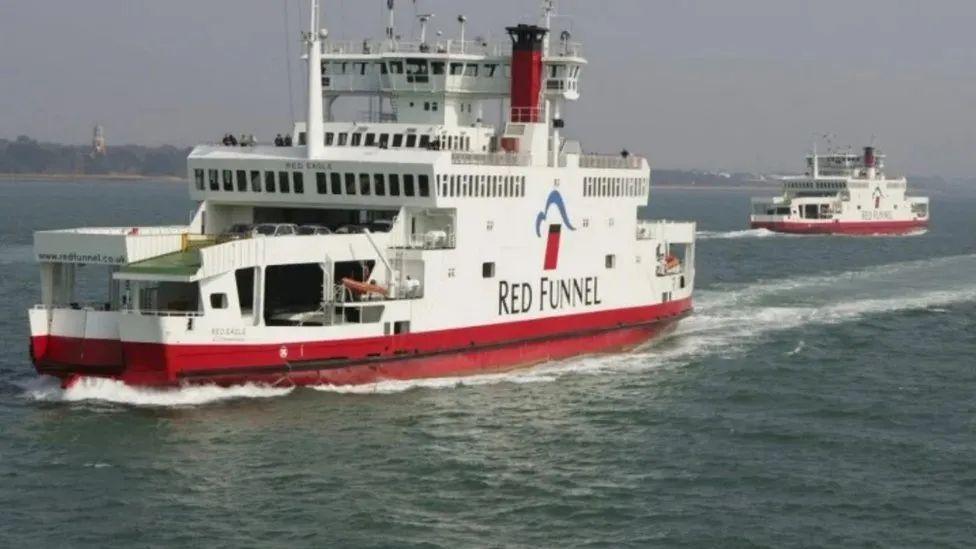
(430, 242)
(843, 193)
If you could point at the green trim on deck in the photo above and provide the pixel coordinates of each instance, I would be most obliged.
(177, 264)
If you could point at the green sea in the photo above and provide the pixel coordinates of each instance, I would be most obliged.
(822, 395)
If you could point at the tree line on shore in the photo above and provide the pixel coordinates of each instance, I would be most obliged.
(24, 155)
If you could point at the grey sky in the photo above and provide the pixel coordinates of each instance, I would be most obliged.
(715, 84)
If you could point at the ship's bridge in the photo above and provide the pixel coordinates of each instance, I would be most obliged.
(442, 82)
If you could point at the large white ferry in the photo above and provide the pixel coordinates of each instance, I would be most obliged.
(420, 241)
(842, 193)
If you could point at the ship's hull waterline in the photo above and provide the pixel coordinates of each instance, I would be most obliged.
(459, 352)
(866, 228)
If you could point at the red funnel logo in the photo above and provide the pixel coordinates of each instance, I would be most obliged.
(555, 200)
(552, 247)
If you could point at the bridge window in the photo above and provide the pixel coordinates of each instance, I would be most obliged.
(408, 187)
(398, 141)
(299, 181)
(364, 185)
(199, 179)
(394, 184)
(411, 141)
(228, 180)
(457, 69)
(269, 182)
(379, 184)
(471, 69)
(335, 181)
(241, 181)
(370, 140)
(343, 139)
(424, 141)
(283, 184)
(256, 181)
(320, 183)
(357, 139)
(329, 139)
(424, 182)
(396, 67)
(490, 70)
(437, 67)
(384, 140)
(351, 184)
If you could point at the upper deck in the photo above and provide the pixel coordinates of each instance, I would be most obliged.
(477, 70)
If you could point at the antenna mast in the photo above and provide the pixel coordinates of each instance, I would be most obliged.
(548, 7)
(314, 125)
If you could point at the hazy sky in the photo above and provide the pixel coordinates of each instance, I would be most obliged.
(714, 84)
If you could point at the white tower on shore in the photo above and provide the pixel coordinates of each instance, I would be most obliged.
(98, 141)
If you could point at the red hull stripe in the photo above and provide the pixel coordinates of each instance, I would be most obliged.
(155, 364)
(853, 227)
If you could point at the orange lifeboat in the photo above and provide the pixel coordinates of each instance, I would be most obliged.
(672, 263)
(364, 288)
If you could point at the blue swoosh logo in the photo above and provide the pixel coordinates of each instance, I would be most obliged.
(555, 199)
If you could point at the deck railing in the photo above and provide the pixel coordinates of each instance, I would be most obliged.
(611, 162)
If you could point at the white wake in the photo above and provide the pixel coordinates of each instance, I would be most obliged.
(116, 392)
(732, 235)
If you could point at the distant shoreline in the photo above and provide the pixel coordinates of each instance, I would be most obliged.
(89, 177)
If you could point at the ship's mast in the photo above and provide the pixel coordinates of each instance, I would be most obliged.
(314, 125)
(548, 7)
(392, 20)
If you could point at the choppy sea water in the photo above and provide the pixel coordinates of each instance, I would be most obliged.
(823, 394)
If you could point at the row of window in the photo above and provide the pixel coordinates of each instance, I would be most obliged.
(230, 180)
(418, 70)
(482, 186)
(397, 141)
(615, 186)
(337, 184)
(382, 140)
(818, 185)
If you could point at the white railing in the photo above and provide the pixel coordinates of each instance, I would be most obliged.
(676, 232)
(99, 307)
(525, 115)
(453, 47)
(611, 162)
(123, 231)
(490, 159)
(164, 314)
